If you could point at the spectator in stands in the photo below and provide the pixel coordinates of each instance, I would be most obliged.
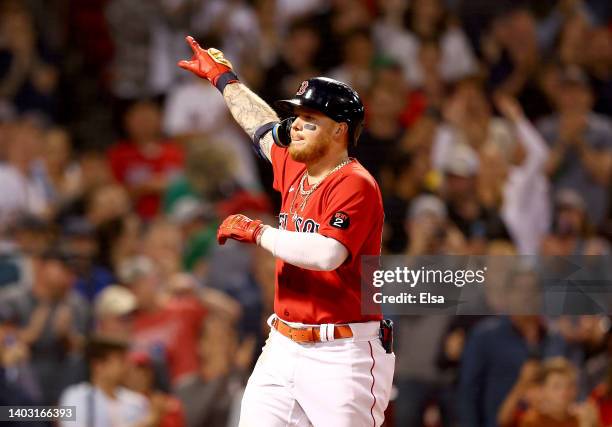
(556, 407)
(166, 410)
(512, 55)
(598, 62)
(119, 239)
(233, 23)
(429, 228)
(32, 235)
(103, 401)
(145, 163)
(589, 334)
(379, 142)
(51, 319)
(420, 381)
(113, 310)
(29, 236)
(198, 224)
(18, 384)
(425, 20)
(28, 77)
(523, 190)
(165, 326)
(602, 398)
(23, 189)
(163, 244)
(470, 124)
(107, 203)
(358, 56)
(63, 174)
(130, 24)
(474, 220)
(209, 397)
(494, 353)
(94, 174)
(581, 145)
(92, 277)
(572, 39)
(525, 394)
(195, 107)
(296, 62)
(571, 233)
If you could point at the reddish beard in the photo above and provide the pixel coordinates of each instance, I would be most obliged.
(311, 151)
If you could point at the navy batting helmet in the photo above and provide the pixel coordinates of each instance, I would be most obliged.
(333, 98)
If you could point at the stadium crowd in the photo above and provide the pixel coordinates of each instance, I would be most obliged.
(488, 128)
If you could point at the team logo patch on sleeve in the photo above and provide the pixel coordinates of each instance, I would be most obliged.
(340, 220)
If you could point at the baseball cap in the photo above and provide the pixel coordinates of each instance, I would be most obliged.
(133, 268)
(568, 198)
(29, 222)
(140, 358)
(188, 209)
(461, 161)
(78, 227)
(59, 251)
(114, 300)
(427, 204)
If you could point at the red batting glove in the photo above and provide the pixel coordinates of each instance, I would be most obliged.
(241, 228)
(209, 64)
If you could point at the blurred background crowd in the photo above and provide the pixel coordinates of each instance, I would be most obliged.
(488, 128)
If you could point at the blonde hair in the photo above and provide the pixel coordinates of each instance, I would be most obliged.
(557, 365)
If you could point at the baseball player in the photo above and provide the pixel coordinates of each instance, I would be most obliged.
(324, 363)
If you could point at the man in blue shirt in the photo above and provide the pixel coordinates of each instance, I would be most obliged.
(495, 351)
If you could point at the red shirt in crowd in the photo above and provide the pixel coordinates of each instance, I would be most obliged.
(131, 167)
(173, 415)
(347, 206)
(174, 329)
(603, 400)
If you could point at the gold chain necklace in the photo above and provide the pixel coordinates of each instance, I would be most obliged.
(306, 193)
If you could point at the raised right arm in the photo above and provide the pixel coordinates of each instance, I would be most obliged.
(249, 110)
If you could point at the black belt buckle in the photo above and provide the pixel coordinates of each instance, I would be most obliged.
(386, 335)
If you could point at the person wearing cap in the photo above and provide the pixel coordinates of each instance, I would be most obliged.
(51, 319)
(581, 144)
(473, 219)
(167, 410)
(165, 325)
(92, 277)
(571, 232)
(418, 378)
(429, 229)
(103, 401)
(325, 362)
(112, 309)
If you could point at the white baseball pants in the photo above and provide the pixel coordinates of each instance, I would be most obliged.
(341, 383)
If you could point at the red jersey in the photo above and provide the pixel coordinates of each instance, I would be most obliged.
(347, 206)
(131, 166)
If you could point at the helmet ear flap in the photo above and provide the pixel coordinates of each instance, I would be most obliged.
(281, 133)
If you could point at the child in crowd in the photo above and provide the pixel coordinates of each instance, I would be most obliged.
(557, 405)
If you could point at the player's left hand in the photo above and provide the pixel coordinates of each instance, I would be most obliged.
(241, 228)
(209, 64)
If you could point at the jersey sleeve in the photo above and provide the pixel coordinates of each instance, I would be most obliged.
(353, 209)
(281, 163)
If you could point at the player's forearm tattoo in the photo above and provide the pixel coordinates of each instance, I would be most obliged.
(250, 111)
